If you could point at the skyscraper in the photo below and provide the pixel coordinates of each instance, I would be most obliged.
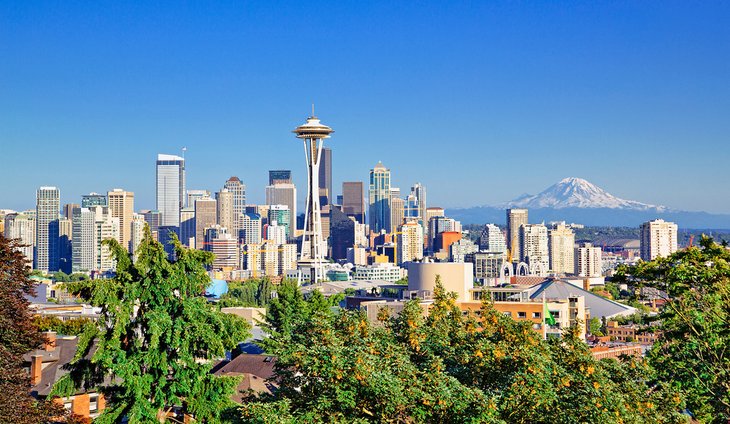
(282, 216)
(284, 194)
(397, 212)
(418, 205)
(205, 216)
(250, 228)
(106, 227)
(170, 189)
(235, 186)
(515, 218)
(492, 239)
(410, 242)
(83, 242)
(22, 227)
(353, 200)
(121, 205)
(93, 199)
(588, 262)
(280, 176)
(48, 205)
(325, 176)
(561, 243)
(658, 239)
(379, 194)
(68, 210)
(224, 214)
(314, 248)
(534, 248)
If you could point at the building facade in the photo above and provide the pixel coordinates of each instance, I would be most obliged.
(533, 243)
(658, 239)
(515, 219)
(561, 243)
(121, 205)
(379, 199)
(48, 212)
(170, 188)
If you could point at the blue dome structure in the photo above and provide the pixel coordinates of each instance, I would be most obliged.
(216, 288)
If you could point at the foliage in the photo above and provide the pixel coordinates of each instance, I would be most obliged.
(444, 367)
(692, 354)
(62, 277)
(71, 327)
(156, 337)
(18, 336)
(595, 327)
(252, 293)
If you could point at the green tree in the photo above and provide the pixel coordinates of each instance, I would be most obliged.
(18, 336)
(595, 326)
(71, 327)
(692, 353)
(156, 337)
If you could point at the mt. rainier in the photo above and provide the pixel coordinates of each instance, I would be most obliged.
(578, 193)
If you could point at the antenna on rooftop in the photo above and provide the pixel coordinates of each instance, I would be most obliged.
(184, 149)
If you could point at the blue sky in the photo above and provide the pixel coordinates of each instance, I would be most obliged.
(479, 101)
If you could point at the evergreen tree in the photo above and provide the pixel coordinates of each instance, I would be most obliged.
(18, 336)
(152, 349)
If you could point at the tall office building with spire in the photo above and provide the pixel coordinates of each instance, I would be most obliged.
(379, 196)
(48, 212)
(170, 189)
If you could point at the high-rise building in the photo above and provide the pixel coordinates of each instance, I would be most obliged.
(205, 216)
(397, 211)
(224, 247)
(106, 227)
(170, 189)
(432, 212)
(224, 213)
(93, 199)
(284, 194)
(314, 247)
(561, 243)
(534, 247)
(342, 234)
(287, 258)
(154, 220)
(459, 249)
(48, 206)
(21, 227)
(192, 195)
(250, 228)
(137, 233)
(325, 177)
(515, 219)
(353, 200)
(487, 265)
(417, 205)
(658, 239)
(379, 193)
(83, 245)
(438, 225)
(280, 176)
(187, 226)
(281, 215)
(492, 239)
(121, 205)
(410, 242)
(235, 186)
(68, 210)
(275, 233)
(65, 235)
(588, 262)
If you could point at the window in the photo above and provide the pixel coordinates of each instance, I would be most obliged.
(536, 314)
(522, 315)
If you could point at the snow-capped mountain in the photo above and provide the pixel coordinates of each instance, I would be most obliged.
(578, 193)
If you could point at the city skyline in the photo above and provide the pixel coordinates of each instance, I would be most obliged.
(631, 81)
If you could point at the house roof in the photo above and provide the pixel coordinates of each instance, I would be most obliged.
(599, 306)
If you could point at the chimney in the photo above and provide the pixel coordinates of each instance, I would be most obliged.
(49, 344)
(36, 366)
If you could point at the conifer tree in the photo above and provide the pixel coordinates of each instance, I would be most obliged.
(152, 349)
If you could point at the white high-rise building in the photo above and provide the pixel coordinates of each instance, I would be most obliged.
(561, 243)
(250, 225)
(588, 262)
(21, 227)
(107, 227)
(492, 239)
(287, 258)
(137, 233)
(48, 212)
(515, 219)
(276, 233)
(534, 247)
(170, 190)
(410, 242)
(223, 246)
(83, 244)
(658, 239)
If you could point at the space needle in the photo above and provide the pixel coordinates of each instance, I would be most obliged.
(311, 259)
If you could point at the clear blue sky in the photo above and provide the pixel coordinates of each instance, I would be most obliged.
(479, 101)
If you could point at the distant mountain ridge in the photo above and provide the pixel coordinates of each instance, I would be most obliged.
(577, 200)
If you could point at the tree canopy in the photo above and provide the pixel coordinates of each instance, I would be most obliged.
(693, 353)
(152, 348)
